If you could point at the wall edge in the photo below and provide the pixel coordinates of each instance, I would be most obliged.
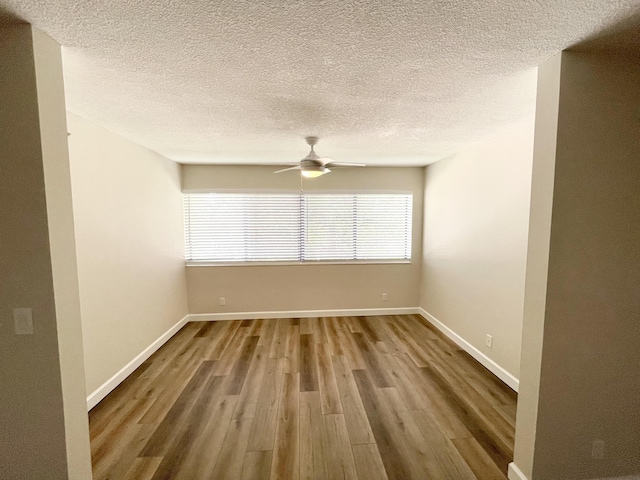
(107, 387)
(508, 378)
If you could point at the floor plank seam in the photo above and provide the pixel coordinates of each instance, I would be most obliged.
(365, 398)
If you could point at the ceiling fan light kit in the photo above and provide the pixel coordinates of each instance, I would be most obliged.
(313, 166)
(313, 171)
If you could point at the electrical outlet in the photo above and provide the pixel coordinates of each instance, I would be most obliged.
(488, 341)
(23, 321)
(223, 301)
(597, 449)
(384, 297)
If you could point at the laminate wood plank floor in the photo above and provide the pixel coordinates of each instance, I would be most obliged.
(362, 398)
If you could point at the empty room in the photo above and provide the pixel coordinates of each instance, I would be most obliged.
(320, 240)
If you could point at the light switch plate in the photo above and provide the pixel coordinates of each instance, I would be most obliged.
(23, 321)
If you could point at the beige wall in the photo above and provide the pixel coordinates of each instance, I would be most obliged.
(590, 367)
(475, 241)
(546, 126)
(128, 210)
(44, 428)
(306, 287)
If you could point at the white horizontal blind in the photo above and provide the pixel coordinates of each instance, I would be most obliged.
(329, 227)
(263, 227)
(384, 227)
(242, 227)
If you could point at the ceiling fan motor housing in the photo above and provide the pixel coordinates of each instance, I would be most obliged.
(313, 165)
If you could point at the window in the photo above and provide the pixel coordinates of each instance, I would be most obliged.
(294, 227)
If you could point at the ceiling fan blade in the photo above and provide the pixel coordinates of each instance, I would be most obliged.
(313, 165)
(343, 164)
(297, 167)
(324, 161)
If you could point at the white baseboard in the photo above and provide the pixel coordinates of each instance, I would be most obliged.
(515, 473)
(492, 366)
(356, 312)
(628, 477)
(94, 398)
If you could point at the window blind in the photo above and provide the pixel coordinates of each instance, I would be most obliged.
(266, 227)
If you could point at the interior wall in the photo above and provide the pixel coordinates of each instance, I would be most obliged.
(305, 287)
(476, 218)
(129, 234)
(64, 266)
(43, 422)
(589, 388)
(543, 172)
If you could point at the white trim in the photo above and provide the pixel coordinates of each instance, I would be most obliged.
(296, 191)
(492, 366)
(515, 473)
(94, 398)
(356, 312)
(630, 477)
(306, 263)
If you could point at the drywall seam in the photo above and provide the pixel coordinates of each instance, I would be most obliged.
(356, 312)
(492, 366)
(515, 473)
(94, 398)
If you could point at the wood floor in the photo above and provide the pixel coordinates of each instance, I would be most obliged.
(366, 398)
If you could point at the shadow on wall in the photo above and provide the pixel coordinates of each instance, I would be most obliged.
(622, 36)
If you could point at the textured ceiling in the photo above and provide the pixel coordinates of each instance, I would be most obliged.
(242, 81)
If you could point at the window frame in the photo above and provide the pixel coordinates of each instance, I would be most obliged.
(259, 263)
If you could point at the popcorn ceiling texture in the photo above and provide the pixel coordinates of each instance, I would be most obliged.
(242, 81)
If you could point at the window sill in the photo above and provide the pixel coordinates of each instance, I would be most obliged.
(297, 264)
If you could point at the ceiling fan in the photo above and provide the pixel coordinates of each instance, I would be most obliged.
(313, 165)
